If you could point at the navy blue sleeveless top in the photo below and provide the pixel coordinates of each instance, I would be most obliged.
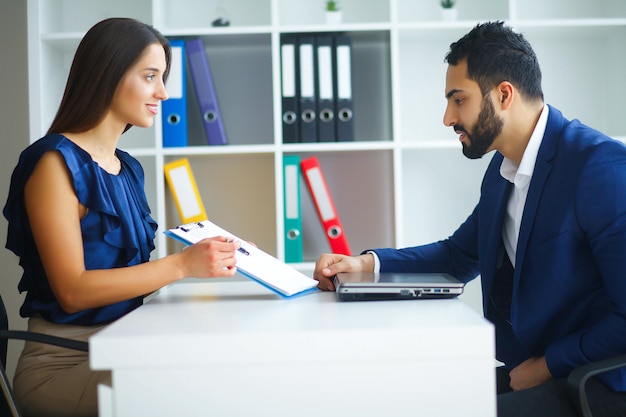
(117, 231)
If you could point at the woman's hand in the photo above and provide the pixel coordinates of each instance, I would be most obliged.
(210, 258)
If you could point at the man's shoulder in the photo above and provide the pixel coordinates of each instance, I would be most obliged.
(577, 137)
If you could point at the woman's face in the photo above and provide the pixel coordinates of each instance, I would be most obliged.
(136, 99)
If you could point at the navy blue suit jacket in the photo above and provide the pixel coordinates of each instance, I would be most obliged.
(569, 289)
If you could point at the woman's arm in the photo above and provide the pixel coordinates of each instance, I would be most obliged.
(54, 213)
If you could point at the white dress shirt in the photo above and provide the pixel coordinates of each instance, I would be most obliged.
(520, 177)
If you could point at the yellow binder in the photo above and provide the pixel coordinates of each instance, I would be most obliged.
(183, 185)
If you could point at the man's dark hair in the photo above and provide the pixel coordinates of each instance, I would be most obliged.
(495, 53)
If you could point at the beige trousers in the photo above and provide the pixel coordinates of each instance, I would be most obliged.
(55, 381)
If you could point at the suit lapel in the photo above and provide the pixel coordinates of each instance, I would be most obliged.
(495, 199)
(541, 172)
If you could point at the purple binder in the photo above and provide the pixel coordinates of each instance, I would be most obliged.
(205, 92)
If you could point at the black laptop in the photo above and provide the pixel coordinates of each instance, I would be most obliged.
(364, 286)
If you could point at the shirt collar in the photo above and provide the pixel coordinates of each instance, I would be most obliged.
(520, 176)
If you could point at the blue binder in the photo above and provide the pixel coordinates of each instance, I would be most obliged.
(205, 93)
(292, 215)
(174, 109)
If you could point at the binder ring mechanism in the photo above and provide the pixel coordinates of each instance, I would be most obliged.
(345, 115)
(308, 116)
(293, 234)
(210, 116)
(326, 115)
(334, 232)
(173, 119)
(289, 117)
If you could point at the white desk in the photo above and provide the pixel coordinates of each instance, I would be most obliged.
(235, 349)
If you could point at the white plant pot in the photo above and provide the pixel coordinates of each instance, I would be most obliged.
(333, 18)
(449, 15)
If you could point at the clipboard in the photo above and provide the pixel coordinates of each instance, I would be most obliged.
(252, 262)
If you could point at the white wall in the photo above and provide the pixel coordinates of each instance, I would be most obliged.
(14, 137)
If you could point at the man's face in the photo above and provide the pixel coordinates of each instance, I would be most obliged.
(471, 115)
(484, 132)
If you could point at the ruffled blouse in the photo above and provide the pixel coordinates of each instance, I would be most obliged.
(117, 231)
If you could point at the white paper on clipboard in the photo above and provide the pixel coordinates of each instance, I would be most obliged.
(252, 262)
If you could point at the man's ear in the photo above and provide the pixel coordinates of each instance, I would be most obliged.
(506, 92)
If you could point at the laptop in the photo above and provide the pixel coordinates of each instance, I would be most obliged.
(365, 286)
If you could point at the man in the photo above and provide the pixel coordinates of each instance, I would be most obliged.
(548, 235)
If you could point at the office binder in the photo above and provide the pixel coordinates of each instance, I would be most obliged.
(252, 262)
(183, 185)
(325, 96)
(292, 215)
(174, 109)
(289, 78)
(307, 90)
(205, 92)
(343, 86)
(324, 205)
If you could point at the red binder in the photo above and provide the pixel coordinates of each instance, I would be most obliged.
(314, 178)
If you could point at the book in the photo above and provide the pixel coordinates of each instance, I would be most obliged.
(252, 262)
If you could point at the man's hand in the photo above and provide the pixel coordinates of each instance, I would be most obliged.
(328, 265)
(530, 373)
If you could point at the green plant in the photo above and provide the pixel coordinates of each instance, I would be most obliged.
(447, 4)
(332, 6)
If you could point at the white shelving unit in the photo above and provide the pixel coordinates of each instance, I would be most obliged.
(404, 180)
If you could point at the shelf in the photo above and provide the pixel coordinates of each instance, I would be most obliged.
(55, 16)
(569, 9)
(174, 15)
(428, 13)
(238, 194)
(304, 13)
(404, 180)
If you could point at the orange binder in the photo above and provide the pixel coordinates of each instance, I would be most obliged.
(314, 178)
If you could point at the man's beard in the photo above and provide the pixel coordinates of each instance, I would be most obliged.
(487, 128)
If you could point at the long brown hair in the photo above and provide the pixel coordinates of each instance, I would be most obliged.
(103, 56)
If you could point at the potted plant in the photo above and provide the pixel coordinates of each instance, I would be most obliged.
(333, 12)
(448, 12)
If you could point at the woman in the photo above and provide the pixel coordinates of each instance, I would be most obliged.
(79, 219)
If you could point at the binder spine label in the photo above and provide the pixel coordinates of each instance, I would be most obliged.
(288, 70)
(292, 203)
(344, 84)
(185, 192)
(318, 186)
